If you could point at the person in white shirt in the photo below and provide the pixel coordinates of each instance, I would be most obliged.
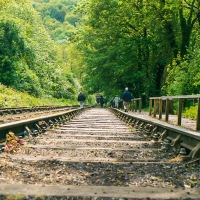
(116, 100)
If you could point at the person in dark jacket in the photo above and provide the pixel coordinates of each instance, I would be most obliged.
(127, 98)
(81, 99)
(101, 101)
(112, 103)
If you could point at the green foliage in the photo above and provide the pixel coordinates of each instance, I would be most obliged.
(190, 112)
(62, 31)
(106, 45)
(183, 75)
(11, 50)
(30, 60)
(12, 98)
(130, 43)
(58, 17)
(116, 49)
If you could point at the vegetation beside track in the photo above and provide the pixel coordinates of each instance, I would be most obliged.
(13, 98)
(190, 112)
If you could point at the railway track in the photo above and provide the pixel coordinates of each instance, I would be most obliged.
(15, 114)
(95, 155)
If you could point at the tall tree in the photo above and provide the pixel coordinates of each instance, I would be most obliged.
(189, 14)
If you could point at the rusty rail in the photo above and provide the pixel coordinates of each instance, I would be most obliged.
(159, 131)
(37, 125)
(4, 111)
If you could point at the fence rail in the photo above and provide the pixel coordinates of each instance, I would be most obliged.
(136, 105)
(157, 104)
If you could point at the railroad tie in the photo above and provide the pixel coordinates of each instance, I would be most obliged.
(96, 155)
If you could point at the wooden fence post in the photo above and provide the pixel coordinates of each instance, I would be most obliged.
(140, 105)
(167, 110)
(198, 116)
(160, 108)
(179, 111)
(132, 106)
(136, 105)
(155, 107)
(150, 107)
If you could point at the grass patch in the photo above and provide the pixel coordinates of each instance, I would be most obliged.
(10, 98)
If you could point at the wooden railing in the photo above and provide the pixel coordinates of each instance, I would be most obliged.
(136, 104)
(157, 104)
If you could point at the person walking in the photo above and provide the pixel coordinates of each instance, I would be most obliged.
(81, 99)
(127, 98)
(112, 103)
(116, 100)
(101, 101)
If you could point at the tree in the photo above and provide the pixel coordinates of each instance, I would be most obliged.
(131, 43)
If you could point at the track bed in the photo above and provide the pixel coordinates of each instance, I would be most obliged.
(96, 156)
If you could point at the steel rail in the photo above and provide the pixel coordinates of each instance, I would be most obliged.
(169, 135)
(32, 109)
(35, 126)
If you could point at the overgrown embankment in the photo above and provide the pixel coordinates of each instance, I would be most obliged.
(12, 98)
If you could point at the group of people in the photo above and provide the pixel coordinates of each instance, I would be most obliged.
(102, 101)
(124, 102)
(114, 102)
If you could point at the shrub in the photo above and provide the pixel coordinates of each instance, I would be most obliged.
(190, 112)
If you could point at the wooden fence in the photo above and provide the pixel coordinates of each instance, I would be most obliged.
(156, 104)
(136, 104)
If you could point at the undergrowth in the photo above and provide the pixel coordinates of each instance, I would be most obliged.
(190, 112)
(11, 98)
